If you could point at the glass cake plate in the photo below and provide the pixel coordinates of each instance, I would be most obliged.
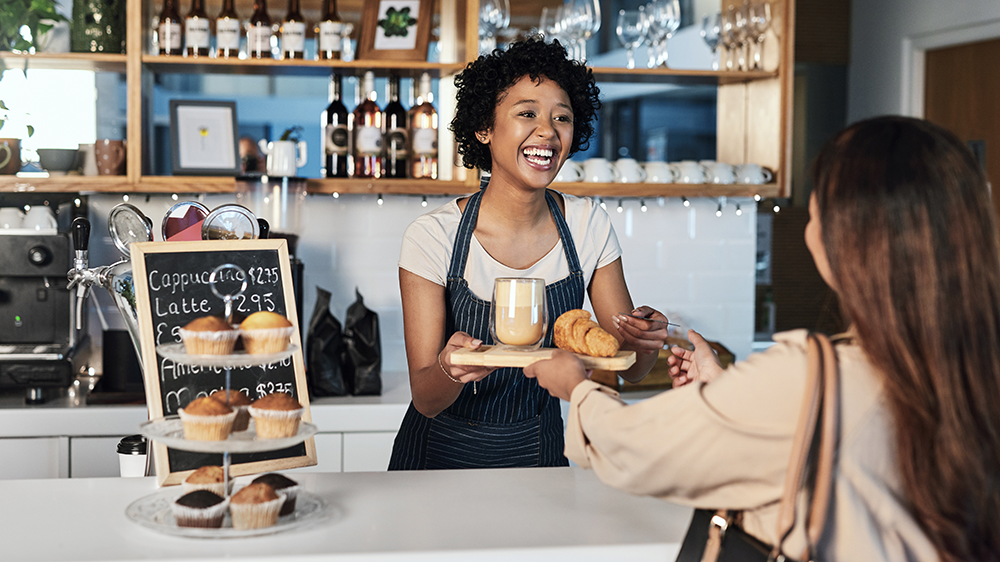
(176, 353)
(170, 431)
(155, 513)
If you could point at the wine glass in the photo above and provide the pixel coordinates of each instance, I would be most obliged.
(629, 31)
(740, 33)
(671, 21)
(759, 21)
(711, 28)
(655, 31)
(488, 10)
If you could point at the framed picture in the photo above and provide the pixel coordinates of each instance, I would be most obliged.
(203, 139)
(395, 29)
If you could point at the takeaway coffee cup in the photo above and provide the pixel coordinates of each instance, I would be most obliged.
(630, 171)
(570, 171)
(132, 456)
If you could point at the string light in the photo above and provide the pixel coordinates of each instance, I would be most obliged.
(77, 202)
(174, 196)
(125, 197)
(423, 202)
(602, 203)
(776, 208)
(756, 197)
(739, 211)
(336, 195)
(379, 200)
(620, 207)
(685, 201)
(718, 211)
(642, 205)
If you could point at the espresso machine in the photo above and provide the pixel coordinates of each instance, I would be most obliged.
(43, 344)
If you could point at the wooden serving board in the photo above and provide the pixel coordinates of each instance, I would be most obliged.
(492, 356)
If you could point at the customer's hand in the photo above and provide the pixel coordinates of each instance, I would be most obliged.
(559, 375)
(699, 365)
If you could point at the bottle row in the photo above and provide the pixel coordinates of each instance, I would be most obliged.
(380, 142)
(192, 34)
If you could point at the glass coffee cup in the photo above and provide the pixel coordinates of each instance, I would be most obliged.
(518, 313)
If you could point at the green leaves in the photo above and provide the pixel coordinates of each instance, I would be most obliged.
(292, 134)
(17, 13)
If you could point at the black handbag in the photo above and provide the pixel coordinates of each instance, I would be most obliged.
(716, 536)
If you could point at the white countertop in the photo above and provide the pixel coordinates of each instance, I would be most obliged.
(549, 514)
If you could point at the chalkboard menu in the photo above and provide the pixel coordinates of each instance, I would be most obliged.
(172, 288)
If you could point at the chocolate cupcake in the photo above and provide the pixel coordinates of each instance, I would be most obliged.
(255, 507)
(199, 508)
(210, 478)
(276, 415)
(207, 419)
(239, 402)
(283, 486)
(209, 335)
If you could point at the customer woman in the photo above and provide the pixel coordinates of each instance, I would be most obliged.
(901, 227)
(521, 112)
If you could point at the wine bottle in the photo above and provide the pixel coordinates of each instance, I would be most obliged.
(335, 132)
(394, 133)
(293, 33)
(197, 33)
(227, 32)
(367, 132)
(169, 31)
(328, 32)
(259, 32)
(423, 125)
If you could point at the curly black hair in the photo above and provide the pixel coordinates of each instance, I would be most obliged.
(483, 82)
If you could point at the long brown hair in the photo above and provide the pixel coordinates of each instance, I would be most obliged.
(909, 230)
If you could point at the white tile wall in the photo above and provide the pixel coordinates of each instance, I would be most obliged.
(684, 261)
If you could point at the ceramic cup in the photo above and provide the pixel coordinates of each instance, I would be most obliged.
(283, 157)
(11, 217)
(570, 171)
(630, 171)
(753, 173)
(10, 156)
(599, 170)
(688, 171)
(87, 160)
(110, 156)
(40, 217)
(658, 171)
(720, 173)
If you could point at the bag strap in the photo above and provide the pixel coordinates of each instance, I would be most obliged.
(820, 394)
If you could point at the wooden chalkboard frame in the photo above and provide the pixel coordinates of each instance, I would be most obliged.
(298, 456)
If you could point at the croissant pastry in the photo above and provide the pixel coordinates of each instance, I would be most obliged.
(575, 331)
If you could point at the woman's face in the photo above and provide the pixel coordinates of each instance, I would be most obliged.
(532, 133)
(814, 241)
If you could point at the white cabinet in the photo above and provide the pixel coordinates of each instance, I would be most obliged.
(329, 450)
(368, 452)
(94, 457)
(36, 457)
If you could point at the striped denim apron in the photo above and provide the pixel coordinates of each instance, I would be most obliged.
(508, 421)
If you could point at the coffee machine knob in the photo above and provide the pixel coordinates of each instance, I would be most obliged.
(40, 256)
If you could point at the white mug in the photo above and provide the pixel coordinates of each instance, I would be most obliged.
(599, 170)
(88, 161)
(630, 171)
(282, 160)
(570, 171)
(688, 171)
(658, 171)
(11, 217)
(753, 173)
(40, 217)
(719, 173)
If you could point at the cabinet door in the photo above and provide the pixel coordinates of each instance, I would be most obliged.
(94, 457)
(42, 457)
(329, 448)
(368, 452)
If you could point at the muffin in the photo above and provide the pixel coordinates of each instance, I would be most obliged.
(210, 478)
(199, 508)
(265, 332)
(276, 415)
(284, 486)
(239, 402)
(209, 335)
(255, 507)
(207, 419)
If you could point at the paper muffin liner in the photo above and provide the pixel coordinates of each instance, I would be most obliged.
(209, 343)
(289, 493)
(207, 428)
(256, 515)
(207, 517)
(217, 488)
(266, 340)
(273, 424)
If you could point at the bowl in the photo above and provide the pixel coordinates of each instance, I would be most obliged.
(57, 159)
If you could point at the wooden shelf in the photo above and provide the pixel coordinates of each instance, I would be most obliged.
(666, 189)
(679, 77)
(65, 61)
(179, 64)
(63, 184)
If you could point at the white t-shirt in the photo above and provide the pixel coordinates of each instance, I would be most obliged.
(429, 241)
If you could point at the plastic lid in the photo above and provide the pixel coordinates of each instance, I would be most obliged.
(132, 445)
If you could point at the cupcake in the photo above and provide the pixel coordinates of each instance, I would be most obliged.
(276, 415)
(239, 402)
(265, 332)
(199, 508)
(207, 419)
(210, 478)
(284, 486)
(255, 506)
(209, 335)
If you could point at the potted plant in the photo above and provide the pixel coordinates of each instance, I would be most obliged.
(16, 14)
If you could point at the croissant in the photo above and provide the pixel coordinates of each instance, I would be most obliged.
(575, 331)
